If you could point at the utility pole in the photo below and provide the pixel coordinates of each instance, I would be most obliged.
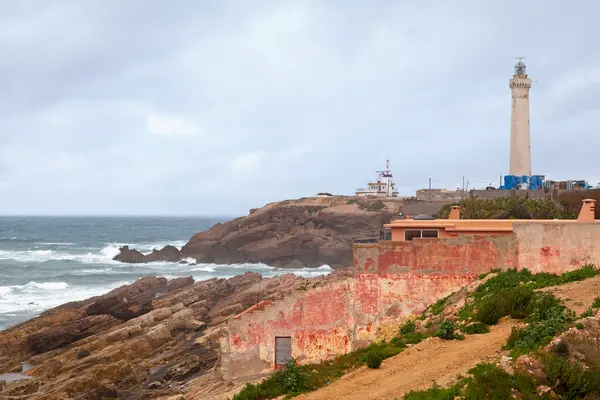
(463, 183)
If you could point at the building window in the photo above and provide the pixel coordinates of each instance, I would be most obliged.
(429, 234)
(283, 350)
(411, 234)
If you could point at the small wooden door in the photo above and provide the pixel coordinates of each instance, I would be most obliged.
(283, 349)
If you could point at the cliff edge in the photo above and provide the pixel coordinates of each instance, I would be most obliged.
(308, 232)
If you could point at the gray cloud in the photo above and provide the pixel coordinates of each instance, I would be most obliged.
(186, 107)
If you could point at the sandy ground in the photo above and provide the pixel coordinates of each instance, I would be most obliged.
(433, 360)
(578, 296)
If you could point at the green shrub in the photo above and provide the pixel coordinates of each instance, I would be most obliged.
(547, 319)
(587, 313)
(596, 303)
(579, 325)
(374, 357)
(398, 342)
(570, 380)
(489, 311)
(408, 327)
(291, 380)
(446, 330)
(438, 306)
(487, 381)
(413, 337)
(434, 393)
(476, 327)
(561, 349)
(516, 302)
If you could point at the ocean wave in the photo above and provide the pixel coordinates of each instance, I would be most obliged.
(92, 271)
(204, 269)
(57, 243)
(41, 256)
(39, 296)
(103, 256)
(254, 266)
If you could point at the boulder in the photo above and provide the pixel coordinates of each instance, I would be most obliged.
(128, 255)
(167, 253)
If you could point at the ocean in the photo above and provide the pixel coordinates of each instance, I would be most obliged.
(48, 261)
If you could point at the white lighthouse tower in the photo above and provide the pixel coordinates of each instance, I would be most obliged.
(520, 146)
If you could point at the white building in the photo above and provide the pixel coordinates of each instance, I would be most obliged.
(384, 186)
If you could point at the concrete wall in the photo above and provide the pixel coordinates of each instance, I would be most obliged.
(392, 281)
(328, 321)
(384, 300)
(557, 248)
(464, 255)
(320, 322)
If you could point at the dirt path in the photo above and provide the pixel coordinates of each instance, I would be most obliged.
(578, 296)
(417, 367)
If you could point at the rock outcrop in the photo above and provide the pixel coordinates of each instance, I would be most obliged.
(294, 233)
(140, 341)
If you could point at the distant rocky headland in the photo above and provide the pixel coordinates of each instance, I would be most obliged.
(308, 232)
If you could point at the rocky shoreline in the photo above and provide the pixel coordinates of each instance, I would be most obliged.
(155, 338)
(307, 232)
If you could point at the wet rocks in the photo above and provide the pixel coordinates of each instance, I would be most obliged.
(167, 253)
(153, 330)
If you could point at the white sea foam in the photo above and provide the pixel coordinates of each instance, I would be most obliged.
(93, 271)
(103, 256)
(204, 269)
(35, 297)
(57, 244)
(252, 266)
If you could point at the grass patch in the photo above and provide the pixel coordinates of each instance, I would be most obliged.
(486, 381)
(437, 307)
(596, 303)
(570, 380)
(511, 293)
(408, 327)
(548, 317)
(475, 328)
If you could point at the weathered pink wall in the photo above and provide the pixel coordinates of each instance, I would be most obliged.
(380, 299)
(539, 247)
(319, 320)
(460, 255)
(557, 248)
(328, 321)
(394, 280)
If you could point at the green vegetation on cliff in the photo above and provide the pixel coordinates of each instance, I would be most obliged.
(510, 208)
(557, 376)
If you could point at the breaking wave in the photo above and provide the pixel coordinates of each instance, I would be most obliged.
(103, 256)
(39, 296)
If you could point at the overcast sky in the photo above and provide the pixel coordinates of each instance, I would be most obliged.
(215, 107)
